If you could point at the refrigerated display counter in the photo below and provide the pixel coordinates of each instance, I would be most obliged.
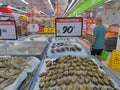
(53, 73)
(25, 48)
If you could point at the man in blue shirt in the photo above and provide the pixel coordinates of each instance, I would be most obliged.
(98, 38)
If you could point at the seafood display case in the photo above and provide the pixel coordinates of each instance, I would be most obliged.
(65, 66)
(74, 73)
(66, 71)
(25, 48)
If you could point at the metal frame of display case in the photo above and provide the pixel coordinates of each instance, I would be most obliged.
(31, 86)
(7, 49)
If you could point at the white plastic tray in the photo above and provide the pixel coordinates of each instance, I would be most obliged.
(34, 62)
(82, 53)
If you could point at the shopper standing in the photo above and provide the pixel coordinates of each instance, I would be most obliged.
(98, 40)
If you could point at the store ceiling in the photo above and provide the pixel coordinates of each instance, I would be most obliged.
(48, 7)
(57, 7)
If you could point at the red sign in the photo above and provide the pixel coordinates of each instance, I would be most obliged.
(41, 29)
(68, 20)
(21, 18)
(32, 27)
(7, 30)
(5, 9)
(6, 23)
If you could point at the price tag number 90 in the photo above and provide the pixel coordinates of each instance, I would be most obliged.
(68, 29)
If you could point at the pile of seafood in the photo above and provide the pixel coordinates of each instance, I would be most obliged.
(74, 73)
(10, 69)
(64, 47)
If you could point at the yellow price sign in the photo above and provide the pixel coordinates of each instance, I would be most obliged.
(25, 17)
(49, 30)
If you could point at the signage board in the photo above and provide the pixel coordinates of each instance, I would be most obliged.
(32, 27)
(69, 27)
(8, 30)
(49, 30)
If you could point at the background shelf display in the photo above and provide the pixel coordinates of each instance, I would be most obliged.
(111, 36)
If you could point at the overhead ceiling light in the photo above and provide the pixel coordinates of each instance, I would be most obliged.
(72, 4)
(1, 4)
(51, 5)
(17, 15)
(43, 13)
(18, 9)
(107, 1)
(25, 1)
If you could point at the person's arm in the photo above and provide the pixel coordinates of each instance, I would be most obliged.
(94, 37)
(93, 40)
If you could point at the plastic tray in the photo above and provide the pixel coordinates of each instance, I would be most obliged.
(33, 64)
(82, 53)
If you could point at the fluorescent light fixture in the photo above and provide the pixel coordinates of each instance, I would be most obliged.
(70, 6)
(25, 1)
(1, 4)
(17, 15)
(43, 13)
(51, 5)
(18, 9)
(108, 1)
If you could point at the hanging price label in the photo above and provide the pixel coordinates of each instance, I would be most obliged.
(32, 27)
(7, 30)
(69, 27)
(49, 30)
